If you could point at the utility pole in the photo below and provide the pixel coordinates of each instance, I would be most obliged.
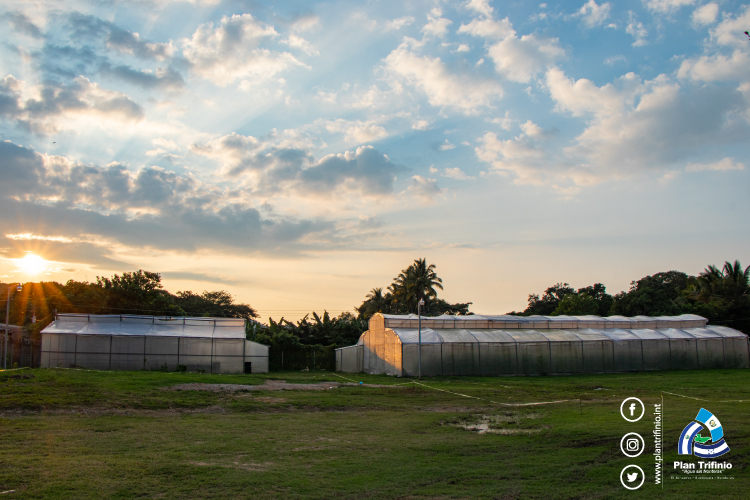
(7, 327)
(419, 315)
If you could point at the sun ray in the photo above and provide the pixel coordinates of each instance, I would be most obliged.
(31, 264)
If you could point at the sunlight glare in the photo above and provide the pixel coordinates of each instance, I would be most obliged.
(31, 264)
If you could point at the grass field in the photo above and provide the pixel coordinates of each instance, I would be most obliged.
(87, 434)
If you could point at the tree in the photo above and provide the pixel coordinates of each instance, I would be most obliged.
(417, 282)
(421, 281)
(548, 302)
(577, 304)
(138, 292)
(657, 295)
(217, 304)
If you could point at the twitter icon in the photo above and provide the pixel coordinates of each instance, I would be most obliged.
(632, 477)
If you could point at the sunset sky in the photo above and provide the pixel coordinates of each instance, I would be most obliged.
(298, 154)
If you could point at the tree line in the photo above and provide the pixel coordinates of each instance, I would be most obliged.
(139, 292)
(721, 295)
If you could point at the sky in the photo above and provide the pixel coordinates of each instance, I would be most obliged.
(299, 154)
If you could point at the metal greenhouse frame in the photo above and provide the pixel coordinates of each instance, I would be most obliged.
(123, 342)
(535, 345)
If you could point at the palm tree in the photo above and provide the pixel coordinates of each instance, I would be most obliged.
(736, 275)
(420, 281)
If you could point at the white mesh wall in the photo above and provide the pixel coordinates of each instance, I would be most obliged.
(431, 360)
(497, 359)
(92, 361)
(161, 345)
(460, 358)
(533, 358)
(683, 354)
(349, 359)
(259, 364)
(736, 353)
(127, 362)
(566, 357)
(93, 344)
(129, 345)
(710, 353)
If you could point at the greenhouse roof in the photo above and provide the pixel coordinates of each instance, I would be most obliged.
(449, 335)
(505, 322)
(162, 326)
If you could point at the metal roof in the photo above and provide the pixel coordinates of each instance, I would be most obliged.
(505, 322)
(159, 326)
(444, 335)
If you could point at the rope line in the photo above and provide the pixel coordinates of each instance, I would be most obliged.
(497, 402)
(473, 397)
(356, 382)
(708, 400)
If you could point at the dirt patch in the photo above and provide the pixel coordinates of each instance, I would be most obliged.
(96, 411)
(500, 423)
(270, 400)
(269, 385)
(17, 377)
(251, 466)
(486, 429)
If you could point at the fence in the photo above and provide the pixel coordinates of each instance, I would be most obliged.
(302, 358)
(22, 352)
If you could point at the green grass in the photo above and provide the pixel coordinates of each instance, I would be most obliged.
(86, 434)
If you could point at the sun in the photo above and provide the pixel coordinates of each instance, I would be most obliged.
(31, 264)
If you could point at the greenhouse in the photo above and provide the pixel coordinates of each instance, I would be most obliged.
(121, 342)
(537, 345)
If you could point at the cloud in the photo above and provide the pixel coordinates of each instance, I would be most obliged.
(612, 60)
(518, 59)
(148, 208)
(436, 26)
(90, 27)
(356, 131)
(446, 146)
(731, 31)
(488, 28)
(398, 23)
(423, 188)
(637, 30)
(443, 88)
(666, 6)
(22, 169)
(723, 165)
(297, 42)
(163, 78)
(230, 51)
(23, 24)
(480, 7)
(592, 14)
(131, 43)
(271, 168)
(636, 126)
(365, 170)
(706, 14)
(457, 174)
(50, 103)
(193, 276)
(420, 125)
(719, 65)
(369, 222)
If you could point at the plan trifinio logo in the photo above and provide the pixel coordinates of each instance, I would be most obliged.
(692, 443)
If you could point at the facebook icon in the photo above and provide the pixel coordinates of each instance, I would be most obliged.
(632, 409)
